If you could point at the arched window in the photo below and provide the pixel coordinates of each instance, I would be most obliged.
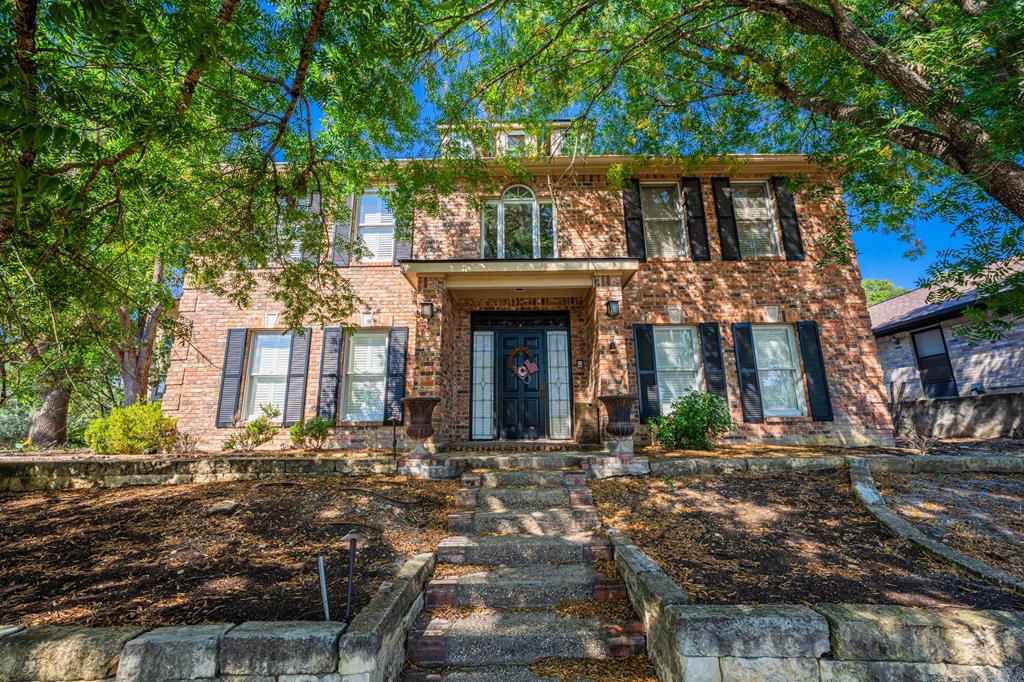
(518, 226)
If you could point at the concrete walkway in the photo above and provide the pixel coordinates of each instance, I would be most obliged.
(529, 522)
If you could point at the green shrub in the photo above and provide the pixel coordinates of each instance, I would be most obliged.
(257, 432)
(140, 427)
(697, 421)
(311, 434)
(96, 435)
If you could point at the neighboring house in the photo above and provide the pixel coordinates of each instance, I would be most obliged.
(519, 309)
(919, 348)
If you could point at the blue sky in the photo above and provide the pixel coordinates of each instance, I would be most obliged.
(881, 256)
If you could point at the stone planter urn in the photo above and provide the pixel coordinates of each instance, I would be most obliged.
(620, 425)
(421, 427)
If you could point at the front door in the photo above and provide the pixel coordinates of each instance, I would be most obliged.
(521, 409)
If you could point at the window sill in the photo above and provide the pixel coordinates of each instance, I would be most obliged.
(351, 422)
(796, 419)
(374, 264)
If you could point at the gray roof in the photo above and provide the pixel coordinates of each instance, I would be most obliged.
(912, 309)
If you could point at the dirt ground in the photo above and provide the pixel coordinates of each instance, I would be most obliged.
(958, 447)
(781, 538)
(981, 515)
(158, 556)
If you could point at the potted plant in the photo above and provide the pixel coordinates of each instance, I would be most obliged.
(420, 427)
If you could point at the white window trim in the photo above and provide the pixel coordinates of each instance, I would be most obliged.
(250, 410)
(499, 204)
(769, 196)
(359, 225)
(697, 363)
(347, 373)
(683, 235)
(798, 380)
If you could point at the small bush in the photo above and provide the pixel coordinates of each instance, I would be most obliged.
(185, 442)
(96, 435)
(697, 421)
(311, 434)
(133, 430)
(257, 432)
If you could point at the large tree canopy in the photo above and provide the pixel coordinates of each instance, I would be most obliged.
(917, 102)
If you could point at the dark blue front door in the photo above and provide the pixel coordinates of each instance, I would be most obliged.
(520, 365)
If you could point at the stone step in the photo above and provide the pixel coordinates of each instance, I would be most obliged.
(546, 460)
(522, 550)
(504, 499)
(531, 477)
(491, 673)
(506, 638)
(522, 587)
(558, 521)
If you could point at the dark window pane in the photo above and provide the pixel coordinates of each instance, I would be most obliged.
(518, 231)
(547, 231)
(490, 230)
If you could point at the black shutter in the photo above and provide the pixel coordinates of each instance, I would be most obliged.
(711, 352)
(634, 217)
(313, 204)
(403, 248)
(340, 250)
(746, 368)
(646, 371)
(726, 215)
(231, 377)
(792, 244)
(295, 386)
(330, 370)
(398, 342)
(696, 223)
(814, 371)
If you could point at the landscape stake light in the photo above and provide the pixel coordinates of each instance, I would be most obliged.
(352, 538)
(323, 587)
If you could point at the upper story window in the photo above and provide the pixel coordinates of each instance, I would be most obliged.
(375, 228)
(663, 220)
(755, 221)
(518, 226)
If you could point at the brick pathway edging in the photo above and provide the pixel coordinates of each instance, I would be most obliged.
(863, 483)
(812, 643)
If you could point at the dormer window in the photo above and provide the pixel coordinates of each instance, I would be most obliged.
(518, 226)
(515, 142)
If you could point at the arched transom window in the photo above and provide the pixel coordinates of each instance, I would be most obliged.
(518, 226)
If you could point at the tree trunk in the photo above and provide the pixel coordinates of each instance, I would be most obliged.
(49, 428)
(1004, 181)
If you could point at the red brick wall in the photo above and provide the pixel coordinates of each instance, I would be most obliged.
(590, 224)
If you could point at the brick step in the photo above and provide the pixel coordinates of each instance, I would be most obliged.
(503, 638)
(505, 499)
(522, 550)
(559, 521)
(491, 673)
(522, 586)
(550, 460)
(532, 477)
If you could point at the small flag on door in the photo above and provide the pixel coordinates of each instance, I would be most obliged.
(531, 366)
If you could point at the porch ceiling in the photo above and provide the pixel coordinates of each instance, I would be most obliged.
(537, 277)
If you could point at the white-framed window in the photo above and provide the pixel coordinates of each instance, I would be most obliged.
(755, 220)
(365, 376)
(375, 227)
(778, 371)
(518, 226)
(664, 228)
(515, 142)
(266, 375)
(677, 358)
(290, 243)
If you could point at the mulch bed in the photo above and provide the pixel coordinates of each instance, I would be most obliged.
(981, 515)
(157, 556)
(781, 538)
(956, 447)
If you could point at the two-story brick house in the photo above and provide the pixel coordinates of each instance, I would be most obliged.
(518, 308)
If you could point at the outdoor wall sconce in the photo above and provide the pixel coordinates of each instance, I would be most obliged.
(611, 346)
(367, 318)
(613, 308)
(427, 309)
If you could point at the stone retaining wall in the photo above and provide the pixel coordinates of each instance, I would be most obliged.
(819, 643)
(997, 415)
(370, 649)
(17, 476)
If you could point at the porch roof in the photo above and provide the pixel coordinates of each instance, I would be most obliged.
(519, 277)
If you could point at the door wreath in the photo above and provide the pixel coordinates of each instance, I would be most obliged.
(527, 368)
